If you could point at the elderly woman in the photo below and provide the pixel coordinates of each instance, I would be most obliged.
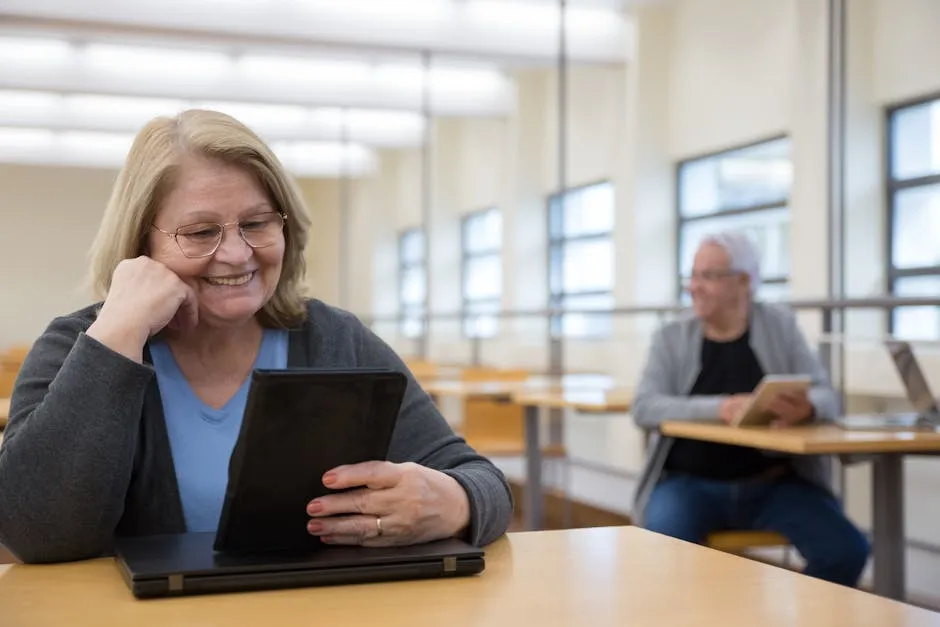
(704, 366)
(125, 413)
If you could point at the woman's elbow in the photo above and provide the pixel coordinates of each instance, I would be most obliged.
(32, 545)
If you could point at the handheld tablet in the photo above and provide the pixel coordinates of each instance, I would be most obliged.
(299, 424)
(756, 412)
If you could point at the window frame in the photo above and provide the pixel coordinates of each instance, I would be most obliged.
(893, 187)
(555, 300)
(465, 257)
(682, 221)
(403, 267)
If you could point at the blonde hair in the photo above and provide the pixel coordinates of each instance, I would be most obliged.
(148, 175)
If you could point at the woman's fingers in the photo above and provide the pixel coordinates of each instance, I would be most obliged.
(376, 475)
(366, 530)
(362, 501)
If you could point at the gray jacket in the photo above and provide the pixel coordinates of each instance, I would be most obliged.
(673, 366)
(86, 455)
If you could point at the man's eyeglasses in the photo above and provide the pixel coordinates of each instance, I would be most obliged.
(204, 238)
(712, 275)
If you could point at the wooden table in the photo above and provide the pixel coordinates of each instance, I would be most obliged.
(606, 576)
(613, 400)
(466, 390)
(887, 449)
(503, 391)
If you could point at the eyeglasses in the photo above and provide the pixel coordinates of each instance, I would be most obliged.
(204, 238)
(712, 275)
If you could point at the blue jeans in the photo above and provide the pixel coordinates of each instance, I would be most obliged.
(689, 508)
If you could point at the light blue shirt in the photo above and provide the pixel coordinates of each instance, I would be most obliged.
(201, 437)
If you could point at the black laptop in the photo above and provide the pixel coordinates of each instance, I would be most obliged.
(298, 424)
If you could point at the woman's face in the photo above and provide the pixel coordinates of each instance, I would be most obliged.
(236, 281)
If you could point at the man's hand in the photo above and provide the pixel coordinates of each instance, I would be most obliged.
(732, 407)
(791, 408)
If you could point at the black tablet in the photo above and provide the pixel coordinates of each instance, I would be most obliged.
(299, 424)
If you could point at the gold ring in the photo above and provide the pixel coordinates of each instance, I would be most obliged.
(378, 526)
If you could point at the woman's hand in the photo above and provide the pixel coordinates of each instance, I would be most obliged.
(388, 504)
(145, 296)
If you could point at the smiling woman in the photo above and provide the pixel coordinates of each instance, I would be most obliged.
(125, 414)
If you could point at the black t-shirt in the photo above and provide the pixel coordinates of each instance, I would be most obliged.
(727, 368)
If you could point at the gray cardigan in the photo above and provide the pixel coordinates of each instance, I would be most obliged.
(86, 455)
(674, 363)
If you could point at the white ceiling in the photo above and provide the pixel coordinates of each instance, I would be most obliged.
(495, 29)
(310, 71)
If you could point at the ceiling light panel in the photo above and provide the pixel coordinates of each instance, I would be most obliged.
(121, 114)
(205, 75)
(136, 61)
(109, 150)
(598, 31)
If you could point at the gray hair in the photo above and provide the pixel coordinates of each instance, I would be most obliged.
(742, 253)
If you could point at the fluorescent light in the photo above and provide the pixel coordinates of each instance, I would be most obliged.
(202, 75)
(464, 80)
(122, 114)
(141, 61)
(109, 150)
(259, 115)
(20, 138)
(100, 143)
(28, 101)
(332, 157)
(539, 16)
(279, 68)
(397, 10)
(400, 76)
(123, 107)
(362, 119)
(30, 50)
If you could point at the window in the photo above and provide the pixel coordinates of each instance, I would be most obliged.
(481, 241)
(412, 281)
(745, 189)
(581, 259)
(914, 216)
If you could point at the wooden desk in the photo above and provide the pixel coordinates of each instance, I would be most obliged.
(605, 576)
(612, 400)
(504, 390)
(599, 401)
(887, 449)
(489, 390)
(813, 440)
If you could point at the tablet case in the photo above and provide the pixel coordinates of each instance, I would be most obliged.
(299, 424)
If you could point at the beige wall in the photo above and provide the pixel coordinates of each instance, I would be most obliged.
(50, 216)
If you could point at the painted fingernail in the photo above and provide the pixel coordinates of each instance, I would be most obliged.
(327, 540)
(315, 527)
(315, 507)
(329, 479)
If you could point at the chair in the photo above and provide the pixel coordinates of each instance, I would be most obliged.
(493, 428)
(738, 542)
(497, 429)
(422, 370)
(10, 364)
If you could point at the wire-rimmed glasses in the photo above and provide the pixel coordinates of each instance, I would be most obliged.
(203, 239)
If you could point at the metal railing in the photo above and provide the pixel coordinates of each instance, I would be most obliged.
(828, 308)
